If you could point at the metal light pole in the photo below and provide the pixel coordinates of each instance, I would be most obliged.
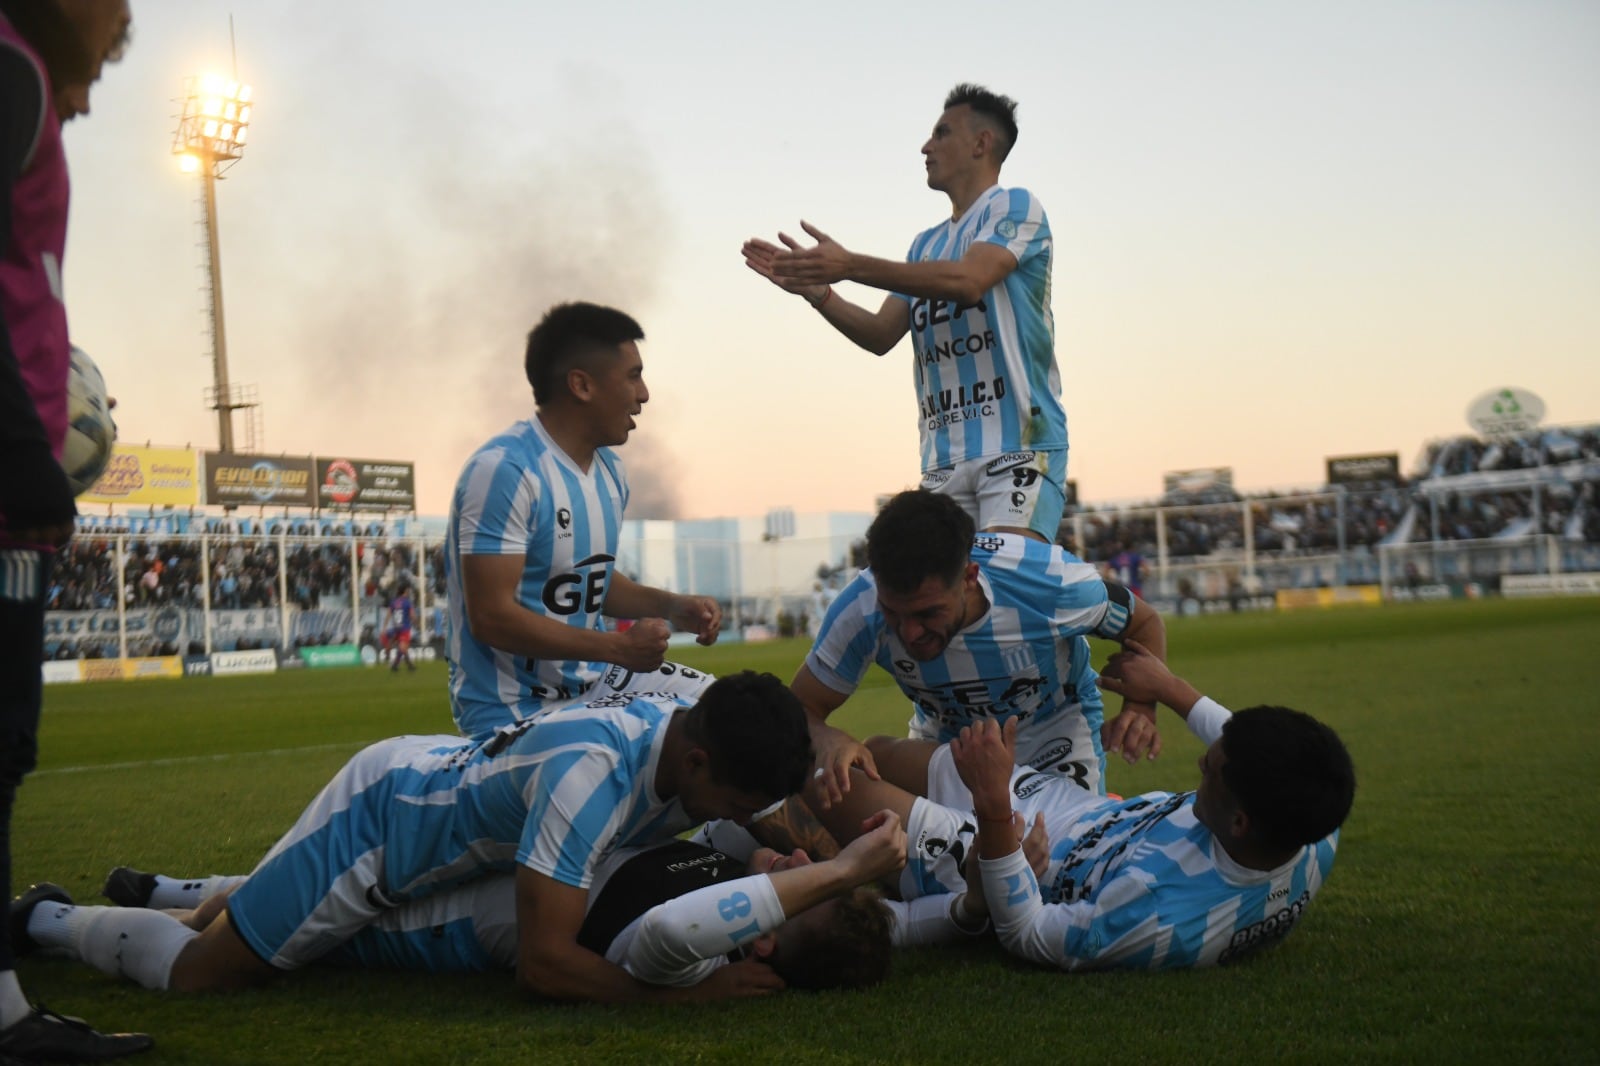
(210, 138)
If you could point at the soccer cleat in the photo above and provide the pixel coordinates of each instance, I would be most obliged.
(127, 887)
(45, 1036)
(22, 907)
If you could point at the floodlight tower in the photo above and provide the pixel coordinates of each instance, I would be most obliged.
(210, 138)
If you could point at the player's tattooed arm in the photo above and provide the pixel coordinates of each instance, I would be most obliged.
(794, 826)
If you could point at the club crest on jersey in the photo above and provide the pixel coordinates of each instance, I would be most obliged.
(564, 518)
(905, 666)
(1006, 228)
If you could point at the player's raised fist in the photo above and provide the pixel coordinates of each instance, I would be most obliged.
(643, 647)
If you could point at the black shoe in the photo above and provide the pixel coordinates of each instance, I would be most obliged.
(45, 1036)
(22, 907)
(127, 887)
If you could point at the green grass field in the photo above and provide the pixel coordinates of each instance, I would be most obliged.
(1461, 922)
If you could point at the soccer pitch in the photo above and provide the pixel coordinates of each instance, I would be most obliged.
(1461, 921)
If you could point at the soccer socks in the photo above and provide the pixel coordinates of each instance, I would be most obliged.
(13, 1004)
(176, 893)
(124, 942)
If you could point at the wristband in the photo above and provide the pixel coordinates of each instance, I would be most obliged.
(1206, 719)
(826, 296)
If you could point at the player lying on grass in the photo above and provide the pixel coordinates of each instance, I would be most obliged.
(1155, 881)
(413, 816)
(676, 914)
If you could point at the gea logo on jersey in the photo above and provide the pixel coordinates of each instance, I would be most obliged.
(579, 593)
(926, 312)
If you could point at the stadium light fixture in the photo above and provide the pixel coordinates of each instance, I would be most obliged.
(212, 129)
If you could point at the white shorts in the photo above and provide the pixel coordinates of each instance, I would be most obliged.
(671, 679)
(1067, 745)
(1018, 490)
(940, 832)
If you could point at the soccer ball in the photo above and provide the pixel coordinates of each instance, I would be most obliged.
(90, 430)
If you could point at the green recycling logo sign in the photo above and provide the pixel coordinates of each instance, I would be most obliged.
(1505, 412)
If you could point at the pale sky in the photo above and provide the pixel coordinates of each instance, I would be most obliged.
(1282, 231)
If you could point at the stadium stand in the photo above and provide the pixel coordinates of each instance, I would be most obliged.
(1472, 511)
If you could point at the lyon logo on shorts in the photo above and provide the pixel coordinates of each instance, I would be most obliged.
(932, 847)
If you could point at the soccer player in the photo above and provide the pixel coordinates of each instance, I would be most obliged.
(1128, 567)
(1156, 881)
(532, 542)
(397, 636)
(413, 816)
(991, 627)
(1161, 880)
(669, 914)
(51, 53)
(974, 291)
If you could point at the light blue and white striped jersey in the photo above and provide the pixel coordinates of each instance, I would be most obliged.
(554, 795)
(1026, 658)
(521, 495)
(1142, 884)
(986, 375)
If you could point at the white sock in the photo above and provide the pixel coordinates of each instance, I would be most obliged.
(13, 1004)
(221, 883)
(187, 893)
(130, 942)
(50, 925)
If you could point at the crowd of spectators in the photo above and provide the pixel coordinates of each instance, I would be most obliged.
(1457, 456)
(318, 570)
(1309, 525)
(162, 569)
(84, 577)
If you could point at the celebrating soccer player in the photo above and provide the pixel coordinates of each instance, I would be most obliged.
(991, 627)
(975, 293)
(414, 816)
(532, 545)
(670, 914)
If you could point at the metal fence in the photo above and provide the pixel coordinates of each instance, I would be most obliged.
(121, 594)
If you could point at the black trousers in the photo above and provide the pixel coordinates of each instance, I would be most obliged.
(22, 582)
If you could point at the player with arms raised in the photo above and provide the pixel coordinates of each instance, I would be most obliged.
(974, 291)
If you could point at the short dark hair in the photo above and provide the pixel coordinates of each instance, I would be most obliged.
(851, 951)
(918, 535)
(754, 732)
(1289, 773)
(1001, 110)
(573, 335)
